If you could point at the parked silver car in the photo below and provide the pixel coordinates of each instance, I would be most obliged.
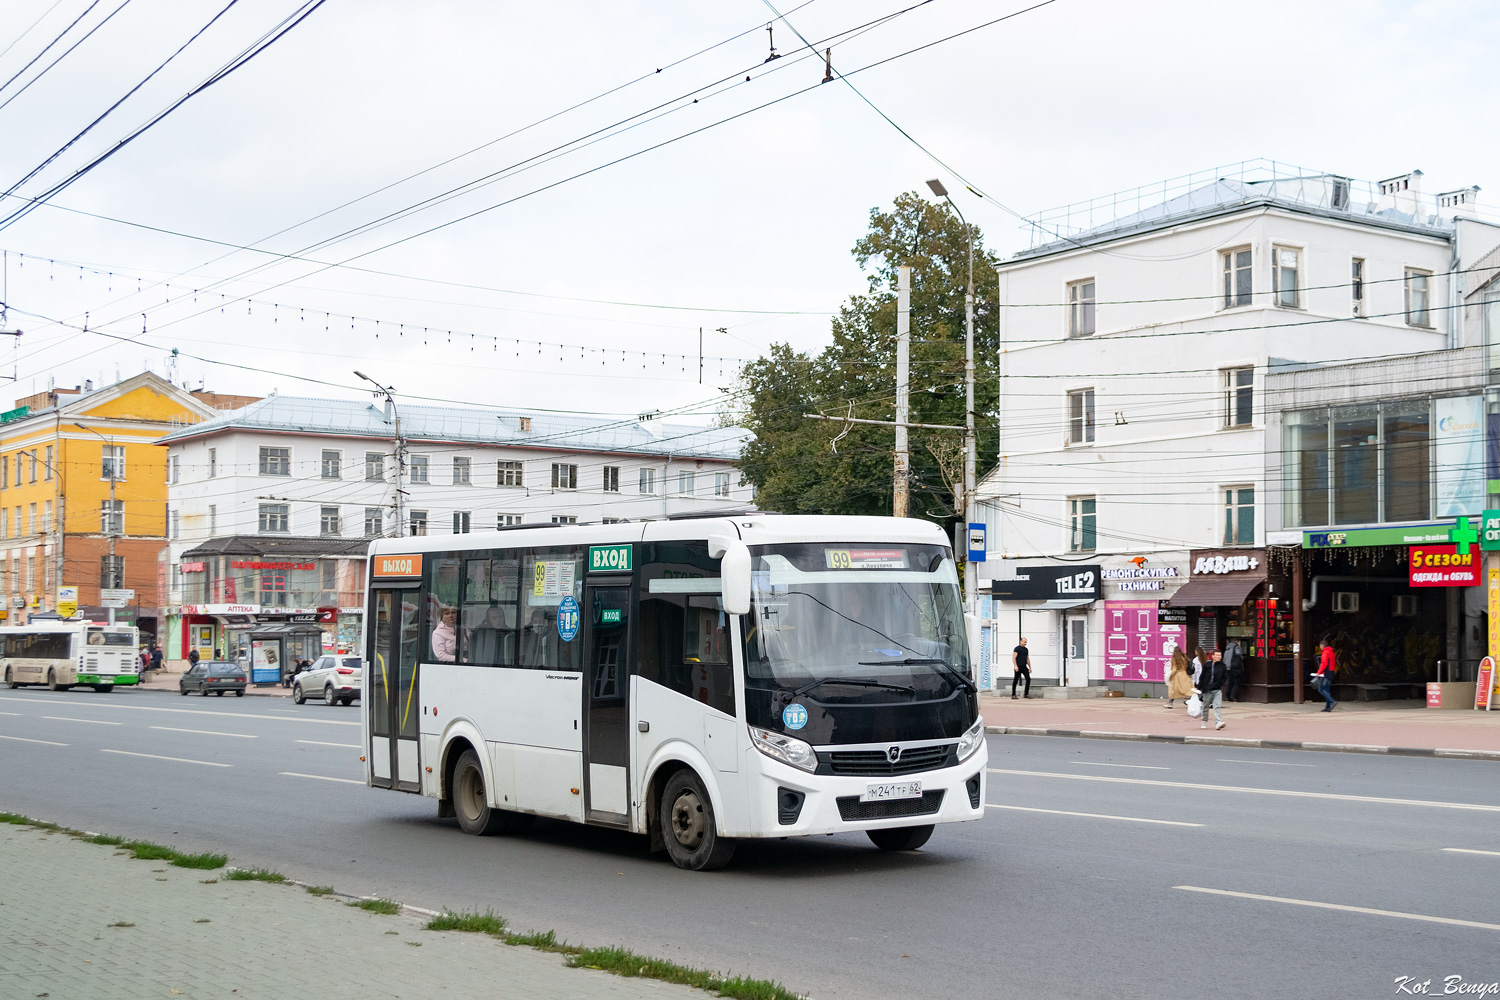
(336, 678)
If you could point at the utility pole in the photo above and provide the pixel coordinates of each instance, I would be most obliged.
(398, 445)
(903, 391)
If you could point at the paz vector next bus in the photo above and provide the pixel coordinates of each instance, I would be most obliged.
(698, 680)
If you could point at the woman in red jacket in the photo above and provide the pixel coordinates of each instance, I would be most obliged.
(1324, 677)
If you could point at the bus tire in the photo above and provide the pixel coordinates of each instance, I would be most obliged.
(104, 688)
(471, 799)
(902, 838)
(52, 684)
(12, 684)
(688, 827)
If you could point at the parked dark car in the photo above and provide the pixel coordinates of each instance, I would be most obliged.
(214, 676)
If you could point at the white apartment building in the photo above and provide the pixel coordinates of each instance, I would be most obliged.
(270, 506)
(1136, 334)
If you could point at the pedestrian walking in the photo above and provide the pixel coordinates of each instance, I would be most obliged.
(155, 657)
(1179, 682)
(1211, 683)
(1323, 679)
(1234, 659)
(1020, 659)
(1196, 667)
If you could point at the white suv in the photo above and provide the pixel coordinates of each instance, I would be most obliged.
(337, 678)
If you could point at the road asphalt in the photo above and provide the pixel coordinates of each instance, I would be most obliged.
(1107, 868)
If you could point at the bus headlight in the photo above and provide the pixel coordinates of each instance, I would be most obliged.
(784, 748)
(970, 741)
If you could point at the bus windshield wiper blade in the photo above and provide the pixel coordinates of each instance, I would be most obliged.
(853, 681)
(914, 661)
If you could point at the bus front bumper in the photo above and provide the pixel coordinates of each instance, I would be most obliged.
(837, 804)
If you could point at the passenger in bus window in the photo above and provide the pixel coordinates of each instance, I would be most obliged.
(445, 636)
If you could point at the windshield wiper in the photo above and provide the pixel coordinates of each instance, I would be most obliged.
(913, 661)
(854, 682)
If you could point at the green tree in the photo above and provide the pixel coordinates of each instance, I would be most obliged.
(796, 464)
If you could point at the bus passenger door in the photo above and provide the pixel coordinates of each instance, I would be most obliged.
(393, 704)
(606, 708)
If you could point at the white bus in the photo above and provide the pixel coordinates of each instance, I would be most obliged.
(61, 654)
(696, 680)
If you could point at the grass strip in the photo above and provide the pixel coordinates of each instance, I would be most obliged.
(389, 907)
(627, 963)
(144, 850)
(253, 875)
(320, 890)
(472, 923)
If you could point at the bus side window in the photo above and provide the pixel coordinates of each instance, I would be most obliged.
(441, 593)
(488, 634)
(684, 637)
(548, 576)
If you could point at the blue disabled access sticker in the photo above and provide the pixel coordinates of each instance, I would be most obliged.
(794, 715)
(567, 619)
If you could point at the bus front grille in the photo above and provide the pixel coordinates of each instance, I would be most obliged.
(850, 808)
(876, 763)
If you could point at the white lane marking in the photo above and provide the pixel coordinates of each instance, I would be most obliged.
(320, 743)
(1470, 850)
(157, 756)
(183, 711)
(1339, 906)
(22, 739)
(16, 714)
(205, 732)
(1253, 791)
(320, 777)
(1273, 763)
(1143, 767)
(1064, 812)
(97, 722)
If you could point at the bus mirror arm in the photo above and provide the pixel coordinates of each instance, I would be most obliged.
(734, 572)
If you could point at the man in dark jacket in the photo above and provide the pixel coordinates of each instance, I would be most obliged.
(1211, 684)
(155, 657)
(1234, 659)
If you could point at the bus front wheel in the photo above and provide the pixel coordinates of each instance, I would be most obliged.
(688, 827)
(471, 800)
(902, 838)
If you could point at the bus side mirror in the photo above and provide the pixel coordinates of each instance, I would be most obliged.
(734, 572)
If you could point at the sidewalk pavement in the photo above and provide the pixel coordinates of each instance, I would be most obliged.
(80, 920)
(1379, 727)
(166, 680)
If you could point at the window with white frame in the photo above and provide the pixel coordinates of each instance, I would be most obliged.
(417, 523)
(1286, 277)
(564, 476)
(4, 473)
(1081, 308)
(375, 468)
(510, 474)
(564, 519)
(1357, 286)
(507, 520)
(1418, 292)
(418, 468)
(31, 519)
(32, 463)
(721, 484)
(648, 481)
(275, 461)
(113, 465)
(275, 518)
(614, 520)
(1239, 515)
(111, 517)
(333, 463)
(685, 484)
(4, 522)
(460, 522)
(176, 468)
(374, 522)
(176, 524)
(611, 479)
(1237, 277)
(1081, 416)
(1082, 532)
(47, 465)
(46, 516)
(329, 521)
(213, 462)
(213, 519)
(460, 471)
(1239, 396)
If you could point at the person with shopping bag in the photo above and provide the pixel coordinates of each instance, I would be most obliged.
(1179, 683)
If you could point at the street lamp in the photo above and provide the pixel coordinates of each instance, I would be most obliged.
(397, 443)
(971, 573)
(114, 475)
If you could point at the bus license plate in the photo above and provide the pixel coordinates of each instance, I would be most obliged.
(892, 790)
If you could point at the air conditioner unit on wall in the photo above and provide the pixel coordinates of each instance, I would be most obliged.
(1345, 601)
(1404, 606)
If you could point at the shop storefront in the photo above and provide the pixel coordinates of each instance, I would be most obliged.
(1242, 596)
(1051, 606)
(1140, 629)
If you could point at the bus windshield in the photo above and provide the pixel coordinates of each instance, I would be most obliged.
(851, 623)
(99, 637)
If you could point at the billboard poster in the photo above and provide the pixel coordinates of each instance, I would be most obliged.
(265, 661)
(1458, 453)
(1138, 641)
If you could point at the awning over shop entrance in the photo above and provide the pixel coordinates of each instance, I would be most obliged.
(1228, 591)
(1060, 604)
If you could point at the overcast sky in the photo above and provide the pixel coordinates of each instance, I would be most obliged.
(1074, 99)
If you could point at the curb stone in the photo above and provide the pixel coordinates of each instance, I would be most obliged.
(1225, 741)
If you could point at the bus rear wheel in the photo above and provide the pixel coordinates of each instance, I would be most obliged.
(13, 685)
(902, 838)
(688, 827)
(52, 684)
